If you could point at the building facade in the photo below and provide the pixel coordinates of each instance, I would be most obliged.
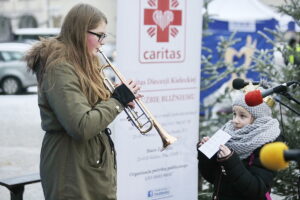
(50, 13)
(45, 13)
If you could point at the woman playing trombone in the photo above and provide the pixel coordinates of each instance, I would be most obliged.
(77, 155)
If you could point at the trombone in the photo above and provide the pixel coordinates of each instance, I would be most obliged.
(144, 121)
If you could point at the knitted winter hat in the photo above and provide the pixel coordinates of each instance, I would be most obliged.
(261, 110)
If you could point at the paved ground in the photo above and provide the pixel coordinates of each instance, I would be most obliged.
(20, 141)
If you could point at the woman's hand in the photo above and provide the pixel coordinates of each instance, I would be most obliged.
(134, 88)
(224, 151)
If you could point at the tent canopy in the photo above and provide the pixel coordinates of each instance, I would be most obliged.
(246, 10)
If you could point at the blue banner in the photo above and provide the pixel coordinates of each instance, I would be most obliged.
(241, 51)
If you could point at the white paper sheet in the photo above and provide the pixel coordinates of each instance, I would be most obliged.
(212, 146)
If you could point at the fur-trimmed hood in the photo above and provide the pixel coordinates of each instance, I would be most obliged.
(42, 54)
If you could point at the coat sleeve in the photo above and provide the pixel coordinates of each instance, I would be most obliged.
(70, 106)
(207, 167)
(253, 181)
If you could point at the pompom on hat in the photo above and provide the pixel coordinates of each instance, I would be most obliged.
(261, 110)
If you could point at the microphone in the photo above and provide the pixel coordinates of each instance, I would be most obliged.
(255, 97)
(275, 156)
(239, 83)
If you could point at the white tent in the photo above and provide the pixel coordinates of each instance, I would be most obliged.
(246, 10)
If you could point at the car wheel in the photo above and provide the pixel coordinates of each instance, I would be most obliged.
(11, 85)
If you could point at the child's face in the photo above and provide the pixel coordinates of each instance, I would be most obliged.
(241, 117)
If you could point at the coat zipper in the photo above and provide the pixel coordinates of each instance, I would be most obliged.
(218, 187)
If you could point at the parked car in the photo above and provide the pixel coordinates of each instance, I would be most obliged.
(14, 77)
(32, 35)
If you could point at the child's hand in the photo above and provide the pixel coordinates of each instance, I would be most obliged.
(224, 151)
(204, 139)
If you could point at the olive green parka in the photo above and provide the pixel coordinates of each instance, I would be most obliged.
(77, 157)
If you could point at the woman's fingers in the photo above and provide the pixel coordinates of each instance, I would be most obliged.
(134, 88)
(138, 96)
(131, 104)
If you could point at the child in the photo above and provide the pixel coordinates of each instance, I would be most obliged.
(236, 171)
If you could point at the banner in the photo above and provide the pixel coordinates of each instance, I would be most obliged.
(240, 54)
(158, 46)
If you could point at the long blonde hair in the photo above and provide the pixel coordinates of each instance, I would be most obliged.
(80, 19)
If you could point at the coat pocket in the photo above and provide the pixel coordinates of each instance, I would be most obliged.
(96, 152)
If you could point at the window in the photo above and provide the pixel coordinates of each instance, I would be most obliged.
(11, 55)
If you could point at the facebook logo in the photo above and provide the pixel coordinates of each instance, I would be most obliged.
(150, 193)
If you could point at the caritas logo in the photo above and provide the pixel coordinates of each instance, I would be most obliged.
(162, 31)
